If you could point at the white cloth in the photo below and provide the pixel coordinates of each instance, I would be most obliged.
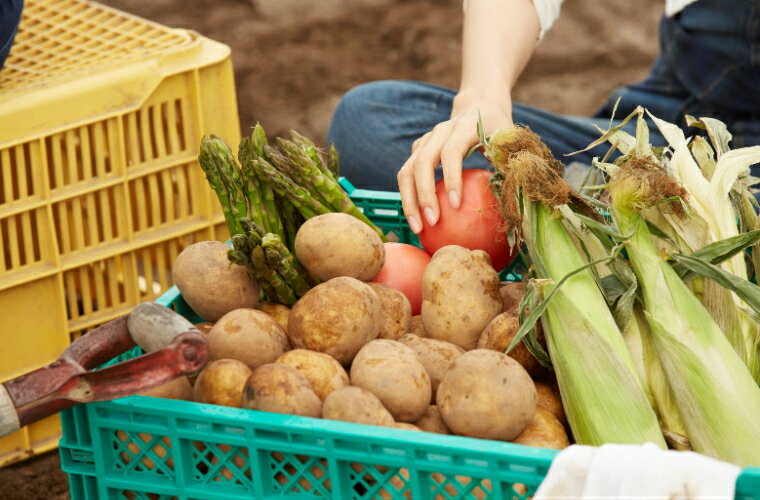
(632, 471)
(548, 11)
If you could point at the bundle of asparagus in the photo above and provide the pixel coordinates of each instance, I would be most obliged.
(266, 194)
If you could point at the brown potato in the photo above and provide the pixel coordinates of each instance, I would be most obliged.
(431, 421)
(248, 335)
(417, 327)
(210, 284)
(436, 356)
(397, 312)
(544, 431)
(204, 327)
(280, 388)
(336, 317)
(179, 388)
(488, 395)
(499, 334)
(338, 244)
(323, 372)
(277, 311)
(222, 383)
(511, 295)
(460, 295)
(548, 397)
(405, 426)
(392, 372)
(354, 404)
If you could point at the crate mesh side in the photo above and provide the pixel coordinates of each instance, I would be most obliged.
(21, 246)
(17, 177)
(157, 131)
(59, 40)
(166, 198)
(82, 155)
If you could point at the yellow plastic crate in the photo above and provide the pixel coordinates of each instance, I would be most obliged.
(101, 115)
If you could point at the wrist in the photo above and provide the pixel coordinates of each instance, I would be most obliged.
(492, 99)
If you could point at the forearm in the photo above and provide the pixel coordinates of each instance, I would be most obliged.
(498, 40)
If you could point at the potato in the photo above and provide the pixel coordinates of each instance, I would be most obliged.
(486, 394)
(248, 335)
(548, 397)
(416, 326)
(431, 421)
(397, 312)
(435, 355)
(210, 284)
(222, 383)
(336, 317)
(179, 388)
(511, 295)
(338, 244)
(544, 431)
(499, 334)
(392, 372)
(204, 327)
(354, 404)
(404, 426)
(280, 388)
(323, 372)
(277, 311)
(460, 295)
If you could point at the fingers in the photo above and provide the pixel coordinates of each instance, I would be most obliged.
(426, 160)
(462, 137)
(446, 144)
(408, 193)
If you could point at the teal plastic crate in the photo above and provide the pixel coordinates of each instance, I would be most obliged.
(148, 448)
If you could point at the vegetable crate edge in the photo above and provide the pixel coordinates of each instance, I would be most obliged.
(147, 448)
(99, 190)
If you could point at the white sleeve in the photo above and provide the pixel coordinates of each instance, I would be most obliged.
(548, 12)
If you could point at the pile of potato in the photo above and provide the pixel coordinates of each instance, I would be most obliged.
(350, 350)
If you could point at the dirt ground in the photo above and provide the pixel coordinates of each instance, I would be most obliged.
(293, 60)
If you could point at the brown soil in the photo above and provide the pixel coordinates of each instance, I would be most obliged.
(294, 59)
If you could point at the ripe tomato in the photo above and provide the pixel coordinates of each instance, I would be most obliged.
(402, 271)
(477, 224)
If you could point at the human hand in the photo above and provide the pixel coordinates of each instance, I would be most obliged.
(446, 145)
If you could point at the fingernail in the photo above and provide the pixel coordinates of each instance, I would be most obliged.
(453, 199)
(414, 225)
(430, 216)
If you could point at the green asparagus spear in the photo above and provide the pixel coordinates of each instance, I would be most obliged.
(265, 207)
(284, 293)
(284, 186)
(252, 183)
(222, 174)
(325, 185)
(291, 221)
(296, 282)
(258, 140)
(240, 255)
(287, 265)
(333, 161)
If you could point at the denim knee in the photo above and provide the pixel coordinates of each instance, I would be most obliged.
(374, 125)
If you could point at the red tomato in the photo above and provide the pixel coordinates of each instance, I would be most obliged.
(477, 224)
(402, 271)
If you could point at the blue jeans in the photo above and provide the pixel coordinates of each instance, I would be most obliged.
(708, 66)
(10, 15)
